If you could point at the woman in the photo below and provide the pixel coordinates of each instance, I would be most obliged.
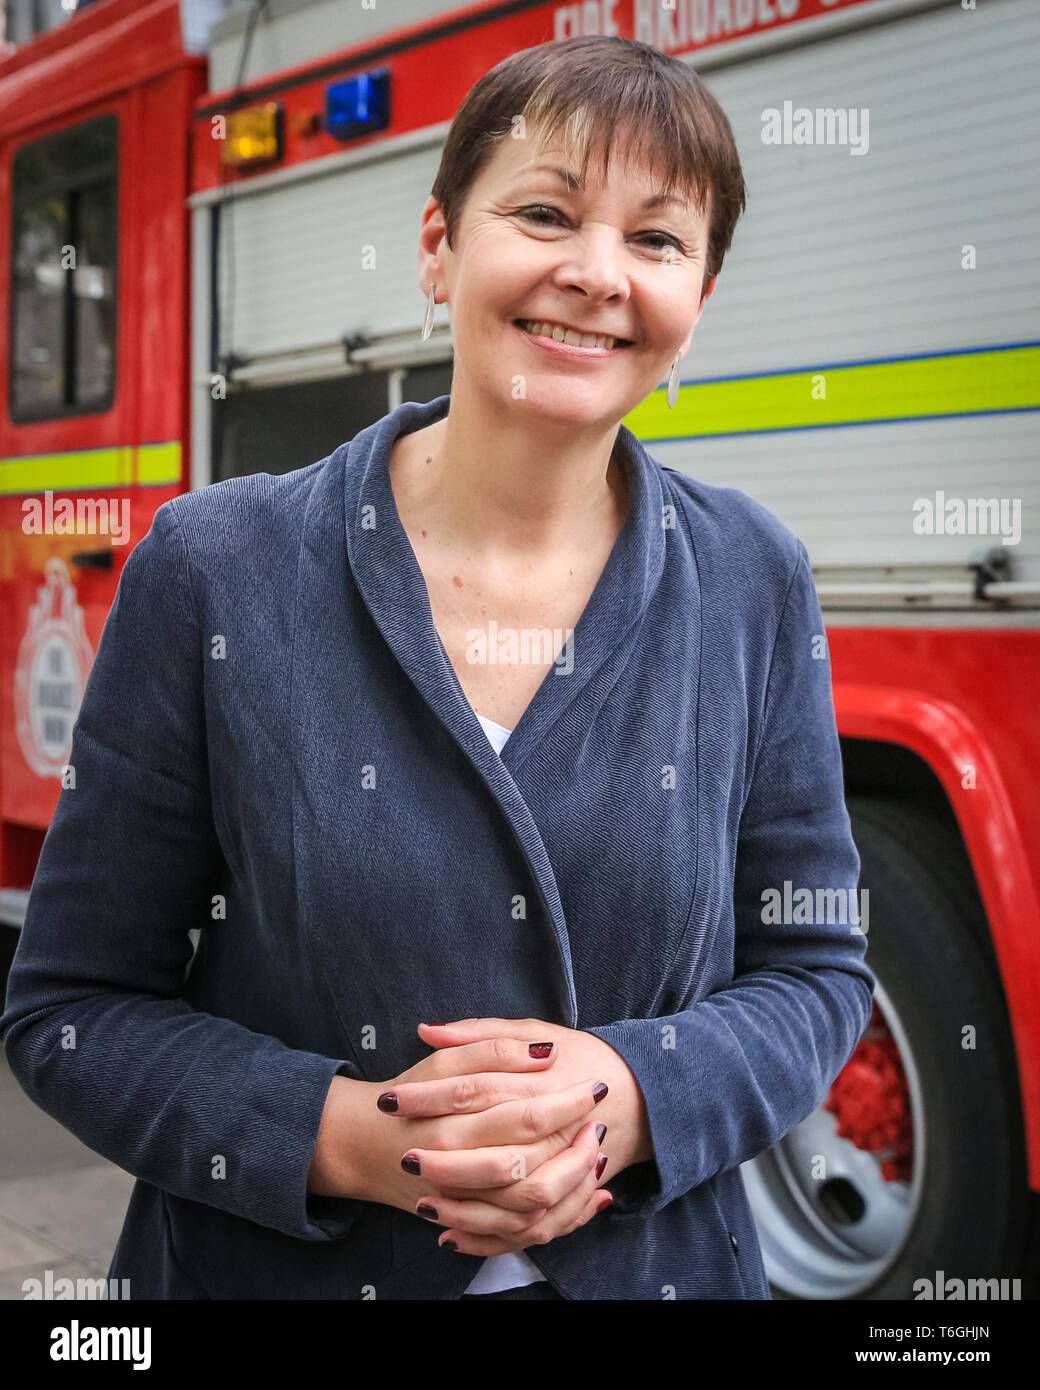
(488, 718)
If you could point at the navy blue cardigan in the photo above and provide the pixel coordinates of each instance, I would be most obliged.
(271, 652)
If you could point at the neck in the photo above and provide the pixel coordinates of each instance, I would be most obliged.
(539, 489)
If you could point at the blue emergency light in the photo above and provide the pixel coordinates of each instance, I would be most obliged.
(358, 106)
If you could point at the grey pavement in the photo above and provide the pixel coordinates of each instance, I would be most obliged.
(61, 1204)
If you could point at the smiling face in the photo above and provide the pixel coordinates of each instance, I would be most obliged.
(537, 254)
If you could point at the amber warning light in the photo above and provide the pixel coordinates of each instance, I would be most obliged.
(253, 136)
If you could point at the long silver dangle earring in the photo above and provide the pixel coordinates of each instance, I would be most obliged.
(673, 382)
(427, 327)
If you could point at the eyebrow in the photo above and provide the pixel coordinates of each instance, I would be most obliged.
(572, 181)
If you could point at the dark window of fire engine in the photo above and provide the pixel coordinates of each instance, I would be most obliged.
(63, 299)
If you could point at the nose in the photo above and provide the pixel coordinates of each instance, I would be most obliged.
(592, 263)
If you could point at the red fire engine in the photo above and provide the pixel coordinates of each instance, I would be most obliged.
(210, 260)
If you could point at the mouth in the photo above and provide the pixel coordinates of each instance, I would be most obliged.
(569, 337)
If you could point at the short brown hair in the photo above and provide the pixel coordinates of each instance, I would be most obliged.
(594, 86)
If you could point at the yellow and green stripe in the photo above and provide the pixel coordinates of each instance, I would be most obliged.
(979, 381)
(122, 466)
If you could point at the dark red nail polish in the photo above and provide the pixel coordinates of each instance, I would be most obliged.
(424, 1209)
(435, 1025)
(600, 1166)
(387, 1102)
(411, 1164)
(448, 1245)
(540, 1049)
(600, 1092)
(600, 1131)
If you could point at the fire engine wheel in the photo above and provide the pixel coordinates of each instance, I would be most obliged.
(915, 1161)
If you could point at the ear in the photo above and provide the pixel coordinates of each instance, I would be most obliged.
(432, 244)
(705, 296)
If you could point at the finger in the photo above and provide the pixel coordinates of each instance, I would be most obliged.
(554, 1181)
(580, 1206)
(542, 1191)
(516, 1197)
(576, 1208)
(497, 1166)
(488, 1054)
(493, 1141)
(464, 1094)
(475, 1030)
(532, 1118)
(597, 1203)
(478, 1218)
(466, 1243)
(517, 1120)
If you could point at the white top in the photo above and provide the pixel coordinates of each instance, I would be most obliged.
(502, 1271)
(495, 732)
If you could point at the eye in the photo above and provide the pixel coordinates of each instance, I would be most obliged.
(669, 241)
(533, 212)
(539, 207)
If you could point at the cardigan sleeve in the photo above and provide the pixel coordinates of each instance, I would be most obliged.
(729, 1076)
(93, 1028)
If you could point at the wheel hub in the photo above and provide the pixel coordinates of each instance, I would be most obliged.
(870, 1101)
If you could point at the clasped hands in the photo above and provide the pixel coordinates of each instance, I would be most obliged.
(502, 1147)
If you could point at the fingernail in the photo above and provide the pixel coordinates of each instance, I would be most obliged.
(448, 1245)
(411, 1164)
(600, 1166)
(600, 1092)
(600, 1131)
(434, 1025)
(607, 1204)
(540, 1049)
(424, 1209)
(387, 1102)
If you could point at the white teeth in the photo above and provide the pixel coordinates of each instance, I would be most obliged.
(567, 335)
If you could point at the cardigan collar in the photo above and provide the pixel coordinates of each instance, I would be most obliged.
(392, 585)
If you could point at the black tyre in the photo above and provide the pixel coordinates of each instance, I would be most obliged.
(928, 1171)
